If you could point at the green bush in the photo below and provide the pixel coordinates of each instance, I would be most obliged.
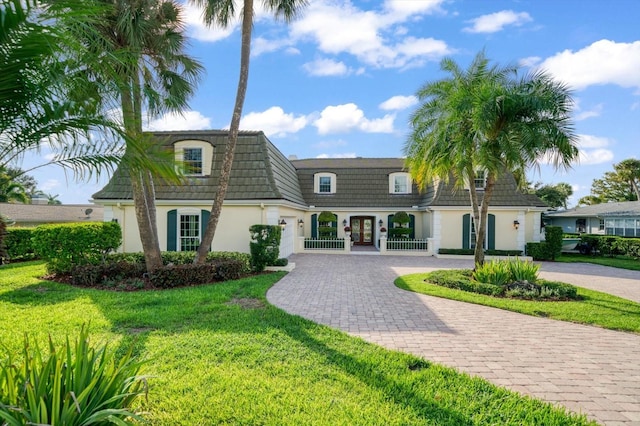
(3, 234)
(74, 385)
(523, 271)
(401, 218)
(185, 258)
(487, 252)
(265, 245)
(402, 233)
(460, 279)
(495, 272)
(19, 244)
(96, 275)
(539, 251)
(68, 245)
(455, 251)
(281, 262)
(627, 247)
(183, 275)
(553, 238)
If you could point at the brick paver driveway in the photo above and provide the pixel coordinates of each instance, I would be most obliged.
(587, 369)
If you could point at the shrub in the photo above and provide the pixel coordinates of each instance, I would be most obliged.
(69, 245)
(495, 272)
(400, 232)
(183, 275)
(74, 385)
(3, 234)
(553, 238)
(228, 269)
(19, 244)
(523, 271)
(539, 251)
(265, 245)
(628, 247)
(281, 262)
(455, 251)
(185, 258)
(487, 252)
(460, 279)
(401, 218)
(94, 275)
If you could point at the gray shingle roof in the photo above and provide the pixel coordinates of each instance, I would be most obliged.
(360, 182)
(627, 208)
(43, 213)
(259, 172)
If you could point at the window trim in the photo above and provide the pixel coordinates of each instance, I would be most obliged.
(392, 183)
(187, 212)
(316, 183)
(184, 162)
(206, 152)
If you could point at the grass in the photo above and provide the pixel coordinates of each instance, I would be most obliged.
(614, 262)
(220, 354)
(593, 308)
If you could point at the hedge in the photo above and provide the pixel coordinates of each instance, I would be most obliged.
(612, 245)
(67, 245)
(265, 245)
(549, 249)
(486, 252)
(19, 245)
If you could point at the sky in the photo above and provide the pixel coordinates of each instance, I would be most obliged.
(340, 80)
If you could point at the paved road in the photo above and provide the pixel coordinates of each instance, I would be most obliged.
(586, 369)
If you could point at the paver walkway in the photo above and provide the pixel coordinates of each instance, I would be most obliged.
(586, 369)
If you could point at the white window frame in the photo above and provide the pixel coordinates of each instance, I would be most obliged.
(392, 183)
(480, 179)
(316, 183)
(184, 162)
(183, 213)
(206, 152)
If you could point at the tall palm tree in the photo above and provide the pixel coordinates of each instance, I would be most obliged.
(140, 57)
(629, 171)
(10, 190)
(486, 119)
(221, 12)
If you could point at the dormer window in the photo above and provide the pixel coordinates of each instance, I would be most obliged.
(399, 183)
(324, 183)
(480, 180)
(194, 157)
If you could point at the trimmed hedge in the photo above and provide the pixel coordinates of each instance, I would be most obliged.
(186, 257)
(19, 244)
(3, 235)
(549, 249)
(487, 252)
(611, 245)
(68, 245)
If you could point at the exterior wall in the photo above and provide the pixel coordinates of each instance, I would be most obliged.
(568, 224)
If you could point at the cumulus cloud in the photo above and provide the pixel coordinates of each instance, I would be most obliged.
(326, 67)
(593, 150)
(370, 36)
(273, 122)
(603, 62)
(188, 120)
(198, 30)
(495, 22)
(347, 117)
(397, 103)
(581, 114)
(343, 155)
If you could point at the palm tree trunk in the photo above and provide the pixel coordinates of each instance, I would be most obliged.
(478, 254)
(481, 229)
(227, 162)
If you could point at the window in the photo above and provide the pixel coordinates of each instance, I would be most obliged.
(581, 225)
(189, 237)
(601, 225)
(192, 160)
(399, 183)
(480, 180)
(324, 183)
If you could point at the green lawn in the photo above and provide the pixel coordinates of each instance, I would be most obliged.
(615, 262)
(220, 354)
(595, 308)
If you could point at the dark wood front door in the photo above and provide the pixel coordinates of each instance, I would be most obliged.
(362, 230)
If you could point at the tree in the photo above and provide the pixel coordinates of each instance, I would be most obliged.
(11, 191)
(618, 185)
(139, 55)
(487, 120)
(45, 97)
(52, 200)
(554, 195)
(629, 171)
(221, 12)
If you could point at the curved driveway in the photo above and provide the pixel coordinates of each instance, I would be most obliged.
(586, 369)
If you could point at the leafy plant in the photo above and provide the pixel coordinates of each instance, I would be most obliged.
(495, 272)
(18, 243)
(523, 271)
(553, 237)
(77, 385)
(265, 245)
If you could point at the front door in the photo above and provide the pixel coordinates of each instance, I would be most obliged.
(362, 230)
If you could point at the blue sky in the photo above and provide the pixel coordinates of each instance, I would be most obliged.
(340, 80)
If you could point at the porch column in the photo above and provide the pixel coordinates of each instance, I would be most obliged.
(383, 244)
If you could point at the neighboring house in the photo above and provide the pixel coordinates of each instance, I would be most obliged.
(38, 214)
(621, 218)
(267, 188)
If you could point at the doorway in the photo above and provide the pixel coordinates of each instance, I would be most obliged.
(362, 230)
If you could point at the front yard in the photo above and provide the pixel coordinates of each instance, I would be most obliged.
(220, 354)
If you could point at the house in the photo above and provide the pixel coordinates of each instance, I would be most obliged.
(314, 200)
(621, 219)
(27, 215)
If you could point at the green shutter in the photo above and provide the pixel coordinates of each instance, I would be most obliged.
(466, 229)
(314, 226)
(204, 219)
(390, 222)
(412, 225)
(491, 231)
(172, 230)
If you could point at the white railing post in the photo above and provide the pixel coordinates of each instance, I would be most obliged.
(430, 246)
(383, 244)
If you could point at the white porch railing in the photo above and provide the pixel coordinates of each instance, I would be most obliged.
(405, 246)
(325, 245)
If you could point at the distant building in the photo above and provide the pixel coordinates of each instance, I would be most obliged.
(38, 214)
(622, 219)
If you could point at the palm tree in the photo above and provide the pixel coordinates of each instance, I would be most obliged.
(629, 171)
(140, 56)
(221, 12)
(10, 190)
(486, 119)
(44, 95)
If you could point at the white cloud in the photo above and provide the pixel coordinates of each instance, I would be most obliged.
(198, 30)
(347, 117)
(330, 144)
(188, 120)
(603, 62)
(529, 61)
(593, 150)
(326, 67)
(589, 141)
(273, 122)
(495, 22)
(371, 36)
(49, 184)
(343, 155)
(397, 103)
(581, 114)
(261, 45)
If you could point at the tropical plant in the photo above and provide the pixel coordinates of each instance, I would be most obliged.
(53, 199)
(139, 55)
(495, 272)
(74, 385)
(622, 184)
(486, 119)
(221, 12)
(11, 191)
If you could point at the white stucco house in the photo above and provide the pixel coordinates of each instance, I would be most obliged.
(267, 188)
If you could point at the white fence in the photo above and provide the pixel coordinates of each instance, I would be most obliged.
(407, 245)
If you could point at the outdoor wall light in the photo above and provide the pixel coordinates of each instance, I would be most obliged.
(344, 222)
(380, 223)
(300, 223)
(282, 224)
(516, 224)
